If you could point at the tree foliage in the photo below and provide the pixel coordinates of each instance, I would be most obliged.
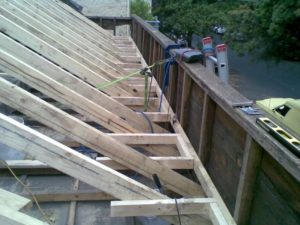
(141, 8)
(268, 27)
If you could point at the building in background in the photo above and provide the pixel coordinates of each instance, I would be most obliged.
(114, 8)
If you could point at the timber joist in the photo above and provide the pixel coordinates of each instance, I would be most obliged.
(62, 57)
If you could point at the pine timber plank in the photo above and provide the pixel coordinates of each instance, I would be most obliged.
(55, 42)
(10, 216)
(63, 77)
(85, 22)
(51, 9)
(157, 149)
(43, 48)
(186, 149)
(17, 136)
(43, 22)
(57, 91)
(99, 31)
(171, 162)
(72, 18)
(160, 207)
(48, 25)
(13, 201)
(137, 101)
(216, 215)
(93, 53)
(69, 161)
(151, 139)
(73, 204)
(81, 195)
(158, 116)
(43, 112)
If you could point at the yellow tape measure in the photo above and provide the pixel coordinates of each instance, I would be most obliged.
(280, 134)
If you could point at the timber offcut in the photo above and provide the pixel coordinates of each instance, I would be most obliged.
(61, 88)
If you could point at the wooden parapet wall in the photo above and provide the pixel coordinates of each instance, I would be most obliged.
(248, 166)
(62, 58)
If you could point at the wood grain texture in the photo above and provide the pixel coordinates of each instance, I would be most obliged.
(13, 201)
(13, 217)
(161, 207)
(226, 155)
(250, 168)
(95, 139)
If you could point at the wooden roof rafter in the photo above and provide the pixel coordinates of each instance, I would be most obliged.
(42, 57)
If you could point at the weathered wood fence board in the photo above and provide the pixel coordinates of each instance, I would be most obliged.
(223, 130)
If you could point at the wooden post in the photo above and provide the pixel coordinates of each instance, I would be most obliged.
(207, 122)
(73, 204)
(186, 90)
(179, 90)
(250, 167)
(172, 91)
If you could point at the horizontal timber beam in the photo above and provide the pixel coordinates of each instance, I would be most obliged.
(60, 157)
(62, 122)
(160, 207)
(22, 138)
(70, 195)
(170, 162)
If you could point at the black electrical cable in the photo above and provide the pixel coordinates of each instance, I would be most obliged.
(148, 120)
(159, 186)
(177, 208)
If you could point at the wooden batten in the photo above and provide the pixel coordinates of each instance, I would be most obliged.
(160, 207)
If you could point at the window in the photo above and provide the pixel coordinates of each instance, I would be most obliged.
(282, 110)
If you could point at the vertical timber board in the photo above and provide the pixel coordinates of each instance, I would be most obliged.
(147, 48)
(251, 165)
(139, 37)
(277, 199)
(143, 48)
(186, 91)
(194, 114)
(225, 157)
(206, 128)
(154, 58)
(179, 90)
(133, 30)
(150, 50)
(160, 67)
(172, 94)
